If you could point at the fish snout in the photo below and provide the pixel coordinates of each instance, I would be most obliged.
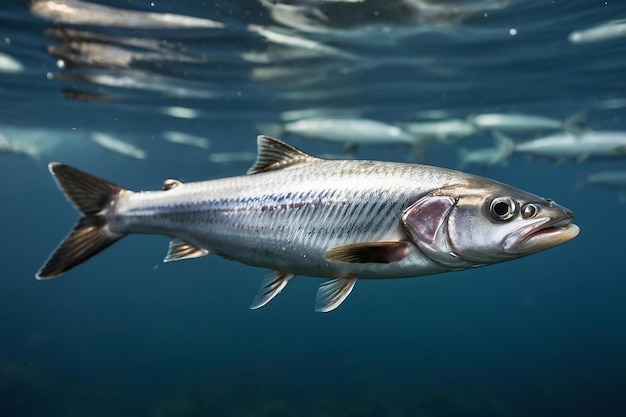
(559, 214)
(552, 227)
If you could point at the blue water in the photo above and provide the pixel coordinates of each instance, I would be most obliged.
(125, 335)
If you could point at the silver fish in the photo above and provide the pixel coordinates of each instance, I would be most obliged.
(442, 130)
(511, 122)
(300, 215)
(606, 31)
(77, 12)
(497, 155)
(9, 65)
(615, 180)
(304, 17)
(351, 132)
(289, 39)
(580, 146)
(118, 146)
(187, 139)
(612, 179)
(15, 147)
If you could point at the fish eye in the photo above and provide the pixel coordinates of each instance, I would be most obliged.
(529, 210)
(502, 208)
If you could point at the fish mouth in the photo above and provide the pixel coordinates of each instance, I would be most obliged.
(545, 234)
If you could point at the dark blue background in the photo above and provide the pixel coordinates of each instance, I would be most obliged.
(125, 334)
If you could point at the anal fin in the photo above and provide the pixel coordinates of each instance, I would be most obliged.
(334, 292)
(271, 286)
(179, 249)
(369, 252)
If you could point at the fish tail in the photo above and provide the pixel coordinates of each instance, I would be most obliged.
(92, 196)
(504, 142)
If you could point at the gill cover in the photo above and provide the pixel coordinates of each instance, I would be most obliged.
(426, 222)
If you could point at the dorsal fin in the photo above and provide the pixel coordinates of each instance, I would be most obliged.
(275, 154)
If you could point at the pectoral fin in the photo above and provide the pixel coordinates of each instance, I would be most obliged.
(332, 293)
(366, 252)
(179, 249)
(271, 286)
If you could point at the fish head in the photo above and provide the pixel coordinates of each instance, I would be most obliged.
(469, 225)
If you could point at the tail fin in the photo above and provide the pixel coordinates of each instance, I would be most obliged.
(91, 196)
(504, 143)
